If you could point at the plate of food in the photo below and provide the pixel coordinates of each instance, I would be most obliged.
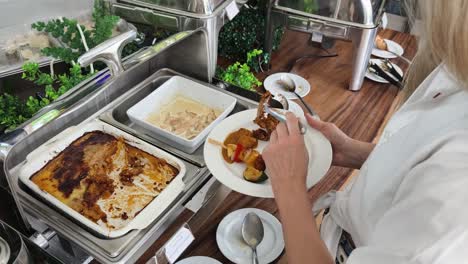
(387, 49)
(272, 85)
(233, 152)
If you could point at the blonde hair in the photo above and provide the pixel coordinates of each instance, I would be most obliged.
(444, 38)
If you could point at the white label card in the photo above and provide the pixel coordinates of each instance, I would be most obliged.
(317, 37)
(232, 10)
(178, 243)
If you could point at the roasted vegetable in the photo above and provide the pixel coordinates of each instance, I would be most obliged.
(250, 157)
(253, 175)
(242, 136)
(237, 153)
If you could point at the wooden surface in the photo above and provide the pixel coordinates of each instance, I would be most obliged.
(359, 114)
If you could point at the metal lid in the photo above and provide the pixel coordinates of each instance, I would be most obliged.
(364, 13)
(4, 251)
(199, 7)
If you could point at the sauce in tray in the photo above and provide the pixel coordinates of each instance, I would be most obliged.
(184, 117)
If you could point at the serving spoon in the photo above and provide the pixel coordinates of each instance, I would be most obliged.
(289, 85)
(252, 233)
(385, 48)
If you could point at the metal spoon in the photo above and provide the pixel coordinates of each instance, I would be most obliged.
(393, 53)
(252, 233)
(289, 85)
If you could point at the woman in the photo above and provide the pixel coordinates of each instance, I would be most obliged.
(408, 205)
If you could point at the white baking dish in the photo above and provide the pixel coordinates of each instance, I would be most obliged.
(46, 152)
(177, 85)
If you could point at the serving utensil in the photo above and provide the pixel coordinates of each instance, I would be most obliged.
(281, 99)
(375, 69)
(288, 84)
(388, 66)
(393, 53)
(280, 117)
(252, 233)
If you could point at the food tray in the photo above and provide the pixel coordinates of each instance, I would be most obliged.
(39, 157)
(117, 116)
(179, 86)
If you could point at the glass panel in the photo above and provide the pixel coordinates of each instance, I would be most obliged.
(364, 12)
(193, 6)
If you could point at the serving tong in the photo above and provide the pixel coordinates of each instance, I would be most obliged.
(394, 79)
(388, 66)
(280, 117)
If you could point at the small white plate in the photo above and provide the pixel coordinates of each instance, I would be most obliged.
(303, 86)
(198, 260)
(392, 46)
(295, 108)
(232, 245)
(377, 78)
(318, 146)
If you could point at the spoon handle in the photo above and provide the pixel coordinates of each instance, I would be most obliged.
(309, 109)
(254, 256)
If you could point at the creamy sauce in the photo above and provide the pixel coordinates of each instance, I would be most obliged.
(184, 117)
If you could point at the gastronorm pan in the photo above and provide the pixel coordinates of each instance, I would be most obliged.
(46, 152)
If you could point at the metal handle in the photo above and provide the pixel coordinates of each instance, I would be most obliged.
(254, 256)
(8, 140)
(309, 109)
(109, 52)
(401, 57)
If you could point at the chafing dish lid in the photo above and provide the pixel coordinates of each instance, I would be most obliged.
(199, 7)
(354, 12)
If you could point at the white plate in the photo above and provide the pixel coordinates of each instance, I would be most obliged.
(319, 148)
(303, 86)
(47, 151)
(392, 46)
(377, 78)
(198, 260)
(233, 247)
(295, 108)
(175, 86)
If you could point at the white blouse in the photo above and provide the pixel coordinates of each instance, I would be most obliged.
(410, 202)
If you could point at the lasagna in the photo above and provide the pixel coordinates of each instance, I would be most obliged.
(105, 179)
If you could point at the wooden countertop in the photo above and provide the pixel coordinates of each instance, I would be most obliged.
(361, 115)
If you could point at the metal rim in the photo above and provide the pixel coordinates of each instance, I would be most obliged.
(4, 251)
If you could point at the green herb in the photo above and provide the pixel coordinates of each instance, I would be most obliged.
(256, 58)
(245, 33)
(14, 111)
(104, 23)
(67, 32)
(240, 74)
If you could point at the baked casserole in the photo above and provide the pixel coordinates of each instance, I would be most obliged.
(105, 179)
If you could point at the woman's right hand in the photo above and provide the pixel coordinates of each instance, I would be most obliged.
(347, 152)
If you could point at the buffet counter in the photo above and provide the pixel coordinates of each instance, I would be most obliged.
(361, 115)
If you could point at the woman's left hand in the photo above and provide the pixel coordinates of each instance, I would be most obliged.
(286, 157)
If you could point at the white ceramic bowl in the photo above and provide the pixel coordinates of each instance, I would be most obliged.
(175, 86)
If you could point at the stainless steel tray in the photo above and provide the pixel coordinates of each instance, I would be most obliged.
(117, 114)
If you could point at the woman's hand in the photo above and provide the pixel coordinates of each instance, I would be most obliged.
(347, 152)
(286, 157)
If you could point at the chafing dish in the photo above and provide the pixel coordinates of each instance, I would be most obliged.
(354, 20)
(177, 15)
